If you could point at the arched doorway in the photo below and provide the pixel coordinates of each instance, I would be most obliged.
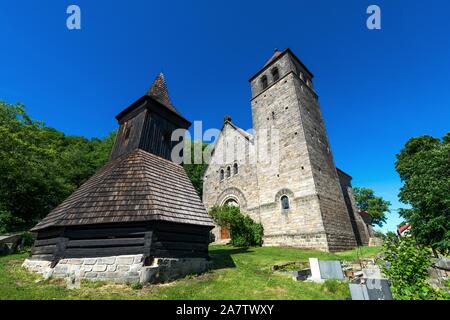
(224, 231)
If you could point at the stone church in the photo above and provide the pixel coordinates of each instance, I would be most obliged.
(302, 199)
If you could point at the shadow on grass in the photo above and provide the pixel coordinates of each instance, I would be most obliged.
(222, 258)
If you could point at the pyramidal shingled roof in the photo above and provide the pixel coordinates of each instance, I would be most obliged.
(158, 90)
(136, 187)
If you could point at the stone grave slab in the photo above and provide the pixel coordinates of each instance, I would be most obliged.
(323, 269)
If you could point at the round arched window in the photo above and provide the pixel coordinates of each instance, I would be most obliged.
(235, 169)
(284, 202)
(232, 203)
(222, 174)
(228, 172)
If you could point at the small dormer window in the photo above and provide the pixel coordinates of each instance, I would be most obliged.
(235, 169)
(228, 172)
(284, 202)
(264, 82)
(222, 174)
(275, 74)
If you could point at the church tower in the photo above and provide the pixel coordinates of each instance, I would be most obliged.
(148, 123)
(300, 199)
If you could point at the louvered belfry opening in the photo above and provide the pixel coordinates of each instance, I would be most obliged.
(140, 202)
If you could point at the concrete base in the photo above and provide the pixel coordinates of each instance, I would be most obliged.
(122, 269)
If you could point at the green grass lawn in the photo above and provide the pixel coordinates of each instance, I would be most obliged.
(236, 274)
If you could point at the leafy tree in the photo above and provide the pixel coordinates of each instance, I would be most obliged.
(40, 166)
(391, 235)
(424, 168)
(377, 207)
(244, 231)
(406, 265)
(194, 170)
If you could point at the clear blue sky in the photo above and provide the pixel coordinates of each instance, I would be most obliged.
(377, 88)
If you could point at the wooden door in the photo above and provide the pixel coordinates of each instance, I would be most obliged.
(224, 233)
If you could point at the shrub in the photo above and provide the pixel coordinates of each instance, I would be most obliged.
(406, 264)
(244, 231)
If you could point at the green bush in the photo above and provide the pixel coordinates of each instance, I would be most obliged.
(244, 231)
(405, 265)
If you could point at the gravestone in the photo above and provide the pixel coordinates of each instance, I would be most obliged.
(322, 270)
(378, 289)
(302, 274)
(10, 243)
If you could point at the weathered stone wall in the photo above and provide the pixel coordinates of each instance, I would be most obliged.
(124, 269)
(231, 147)
(360, 229)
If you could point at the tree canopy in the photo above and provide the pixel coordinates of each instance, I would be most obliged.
(377, 207)
(194, 170)
(40, 166)
(424, 168)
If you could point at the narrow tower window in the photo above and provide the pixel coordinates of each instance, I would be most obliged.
(127, 133)
(275, 74)
(222, 174)
(284, 202)
(228, 172)
(235, 169)
(264, 82)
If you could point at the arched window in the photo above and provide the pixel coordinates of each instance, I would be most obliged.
(221, 174)
(235, 169)
(302, 76)
(231, 203)
(228, 172)
(264, 82)
(275, 74)
(284, 202)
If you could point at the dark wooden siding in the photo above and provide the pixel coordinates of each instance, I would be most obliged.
(156, 135)
(177, 240)
(124, 145)
(46, 244)
(94, 242)
(158, 239)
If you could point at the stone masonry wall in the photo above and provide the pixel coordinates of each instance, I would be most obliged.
(123, 269)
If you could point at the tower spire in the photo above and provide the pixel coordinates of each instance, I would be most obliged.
(158, 90)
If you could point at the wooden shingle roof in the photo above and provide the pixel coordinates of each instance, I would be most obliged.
(158, 91)
(136, 187)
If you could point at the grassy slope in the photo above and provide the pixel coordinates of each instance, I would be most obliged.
(236, 274)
